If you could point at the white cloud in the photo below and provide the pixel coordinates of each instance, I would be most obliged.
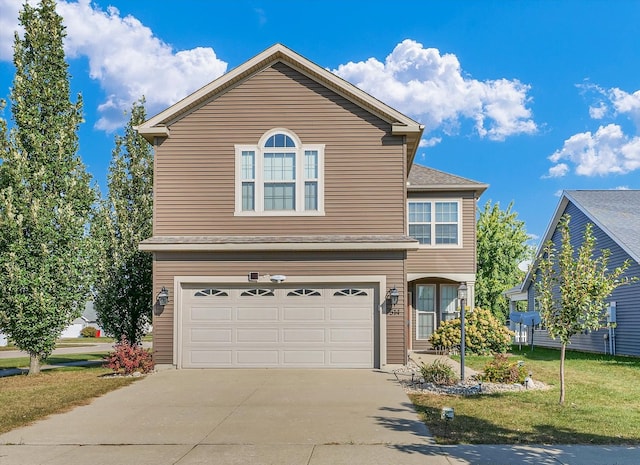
(431, 142)
(626, 104)
(9, 10)
(434, 90)
(557, 171)
(607, 151)
(125, 58)
(598, 112)
(129, 61)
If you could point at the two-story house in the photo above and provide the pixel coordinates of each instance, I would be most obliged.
(285, 233)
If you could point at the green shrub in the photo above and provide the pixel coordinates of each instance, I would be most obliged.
(128, 358)
(438, 372)
(504, 370)
(89, 331)
(484, 334)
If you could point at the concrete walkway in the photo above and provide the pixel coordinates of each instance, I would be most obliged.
(420, 358)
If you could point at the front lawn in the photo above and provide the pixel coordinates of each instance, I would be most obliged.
(25, 399)
(602, 404)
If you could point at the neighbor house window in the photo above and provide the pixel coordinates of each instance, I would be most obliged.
(435, 222)
(279, 176)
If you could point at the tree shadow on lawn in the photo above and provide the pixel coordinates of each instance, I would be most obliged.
(498, 445)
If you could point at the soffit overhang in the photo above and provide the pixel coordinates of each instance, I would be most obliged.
(277, 243)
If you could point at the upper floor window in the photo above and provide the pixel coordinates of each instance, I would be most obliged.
(279, 176)
(435, 222)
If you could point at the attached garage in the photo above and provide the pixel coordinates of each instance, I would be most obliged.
(334, 325)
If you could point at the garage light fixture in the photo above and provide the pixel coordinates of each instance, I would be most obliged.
(163, 296)
(278, 278)
(393, 296)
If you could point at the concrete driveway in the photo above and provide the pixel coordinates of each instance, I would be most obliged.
(251, 417)
(233, 417)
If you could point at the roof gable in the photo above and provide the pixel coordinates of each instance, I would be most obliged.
(159, 125)
(615, 212)
(422, 178)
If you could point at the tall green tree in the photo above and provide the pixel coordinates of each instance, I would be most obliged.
(124, 290)
(45, 194)
(572, 288)
(501, 247)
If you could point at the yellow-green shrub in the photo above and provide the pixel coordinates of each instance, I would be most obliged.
(484, 334)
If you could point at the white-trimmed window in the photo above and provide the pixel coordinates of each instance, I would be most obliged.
(435, 222)
(279, 176)
(448, 301)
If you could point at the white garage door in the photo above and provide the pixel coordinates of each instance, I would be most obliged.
(278, 326)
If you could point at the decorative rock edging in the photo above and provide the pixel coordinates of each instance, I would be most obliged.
(411, 380)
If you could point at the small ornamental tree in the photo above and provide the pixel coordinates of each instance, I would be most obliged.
(572, 287)
(484, 334)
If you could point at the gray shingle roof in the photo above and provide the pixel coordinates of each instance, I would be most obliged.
(423, 178)
(617, 212)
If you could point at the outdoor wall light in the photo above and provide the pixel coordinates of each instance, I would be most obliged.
(462, 291)
(393, 295)
(163, 296)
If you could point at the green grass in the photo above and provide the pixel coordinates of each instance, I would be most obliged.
(25, 399)
(84, 340)
(69, 342)
(23, 362)
(601, 406)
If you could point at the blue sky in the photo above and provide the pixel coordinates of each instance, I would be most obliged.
(528, 97)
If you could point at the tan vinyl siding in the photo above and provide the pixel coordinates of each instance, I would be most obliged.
(448, 260)
(169, 265)
(364, 164)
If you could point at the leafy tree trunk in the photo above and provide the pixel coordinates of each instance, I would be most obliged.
(34, 364)
(45, 193)
(563, 352)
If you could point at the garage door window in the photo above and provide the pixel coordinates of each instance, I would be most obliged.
(303, 293)
(258, 293)
(211, 293)
(349, 293)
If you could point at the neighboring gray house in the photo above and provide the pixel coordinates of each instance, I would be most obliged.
(88, 318)
(615, 215)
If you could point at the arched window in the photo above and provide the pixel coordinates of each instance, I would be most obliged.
(279, 176)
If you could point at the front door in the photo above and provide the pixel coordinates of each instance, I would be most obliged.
(425, 310)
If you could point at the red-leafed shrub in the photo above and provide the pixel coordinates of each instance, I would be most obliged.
(128, 358)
